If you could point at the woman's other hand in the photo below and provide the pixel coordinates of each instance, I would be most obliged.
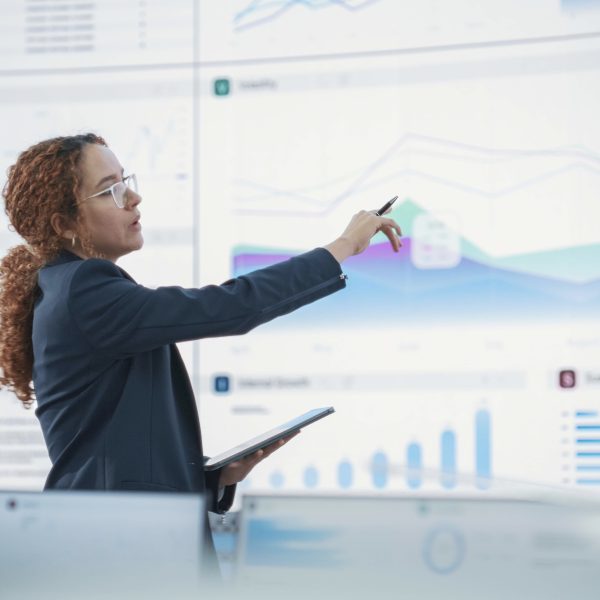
(357, 235)
(237, 471)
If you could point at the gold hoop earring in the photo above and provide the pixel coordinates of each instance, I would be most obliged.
(73, 242)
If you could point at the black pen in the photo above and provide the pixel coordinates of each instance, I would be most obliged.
(386, 206)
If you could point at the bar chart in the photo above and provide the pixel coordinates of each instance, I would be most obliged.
(587, 447)
(415, 470)
(386, 468)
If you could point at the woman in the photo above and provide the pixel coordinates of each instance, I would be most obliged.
(113, 396)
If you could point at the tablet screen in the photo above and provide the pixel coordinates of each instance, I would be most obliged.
(267, 438)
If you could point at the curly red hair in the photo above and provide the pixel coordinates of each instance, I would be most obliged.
(44, 181)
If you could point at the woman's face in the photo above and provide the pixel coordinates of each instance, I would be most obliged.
(113, 231)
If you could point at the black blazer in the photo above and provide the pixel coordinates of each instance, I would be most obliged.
(114, 399)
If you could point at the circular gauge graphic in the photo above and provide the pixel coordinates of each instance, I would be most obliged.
(444, 550)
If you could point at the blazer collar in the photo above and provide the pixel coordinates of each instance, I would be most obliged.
(64, 256)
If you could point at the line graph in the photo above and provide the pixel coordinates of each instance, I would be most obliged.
(261, 12)
(263, 29)
(525, 167)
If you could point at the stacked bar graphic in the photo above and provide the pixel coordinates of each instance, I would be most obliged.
(587, 447)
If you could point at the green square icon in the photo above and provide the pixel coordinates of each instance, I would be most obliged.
(222, 87)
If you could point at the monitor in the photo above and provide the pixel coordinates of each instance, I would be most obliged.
(417, 547)
(76, 544)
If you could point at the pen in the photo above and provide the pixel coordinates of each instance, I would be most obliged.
(385, 207)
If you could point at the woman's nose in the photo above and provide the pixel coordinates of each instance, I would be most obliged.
(133, 199)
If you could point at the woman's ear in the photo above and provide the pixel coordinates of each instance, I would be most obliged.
(62, 227)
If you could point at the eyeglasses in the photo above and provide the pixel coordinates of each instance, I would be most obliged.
(118, 190)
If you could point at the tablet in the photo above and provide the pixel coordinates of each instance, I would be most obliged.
(267, 438)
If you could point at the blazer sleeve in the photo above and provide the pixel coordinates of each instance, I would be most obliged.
(220, 501)
(121, 317)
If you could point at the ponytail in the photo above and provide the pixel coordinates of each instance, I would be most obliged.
(18, 290)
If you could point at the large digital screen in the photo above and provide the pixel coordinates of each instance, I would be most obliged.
(258, 128)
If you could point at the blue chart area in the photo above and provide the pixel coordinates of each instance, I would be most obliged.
(263, 12)
(478, 287)
(274, 543)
